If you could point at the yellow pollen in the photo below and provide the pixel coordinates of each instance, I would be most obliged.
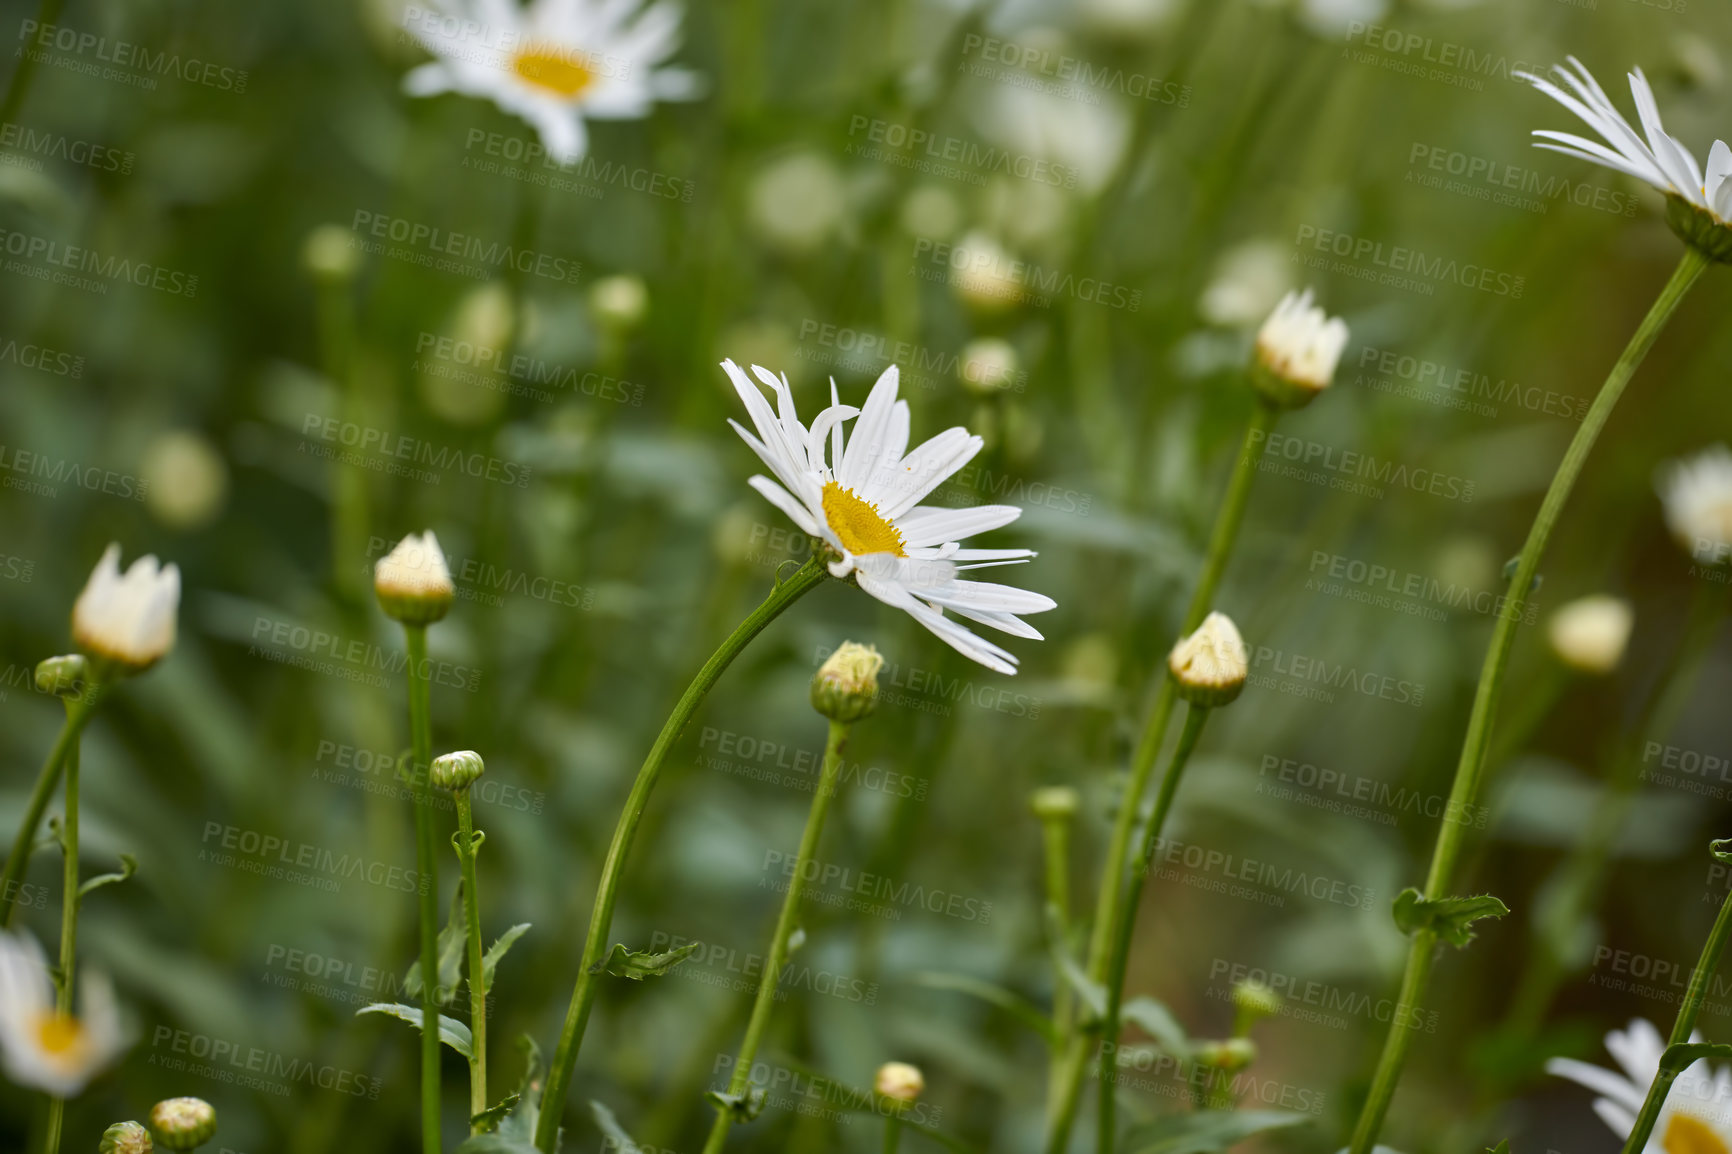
(59, 1034)
(1687, 1135)
(859, 524)
(555, 69)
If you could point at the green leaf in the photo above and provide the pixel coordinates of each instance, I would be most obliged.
(1012, 1003)
(490, 960)
(509, 1126)
(1206, 1131)
(497, 1143)
(625, 963)
(128, 867)
(489, 1119)
(452, 1032)
(1721, 850)
(744, 1107)
(1682, 1056)
(449, 954)
(623, 1143)
(1092, 993)
(1500, 1148)
(1159, 1023)
(1449, 918)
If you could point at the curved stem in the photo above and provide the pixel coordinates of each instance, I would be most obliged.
(68, 931)
(1470, 767)
(466, 848)
(426, 864)
(740, 1081)
(1125, 918)
(78, 711)
(612, 871)
(1061, 1113)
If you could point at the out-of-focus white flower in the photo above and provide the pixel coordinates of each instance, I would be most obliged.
(861, 498)
(330, 252)
(186, 479)
(127, 622)
(1589, 634)
(798, 202)
(1694, 1118)
(988, 365)
(1298, 348)
(412, 581)
(555, 63)
(42, 1047)
(620, 301)
(482, 332)
(1330, 19)
(1081, 143)
(984, 273)
(1696, 495)
(931, 212)
(1210, 666)
(1250, 279)
(1126, 18)
(899, 1082)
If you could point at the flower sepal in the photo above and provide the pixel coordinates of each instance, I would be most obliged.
(1699, 228)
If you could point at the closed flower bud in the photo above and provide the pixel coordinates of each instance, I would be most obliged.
(412, 582)
(987, 366)
(1053, 803)
(62, 676)
(1210, 665)
(899, 1082)
(1231, 1054)
(1589, 634)
(126, 1138)
(456, 771)
(183, 1123)
(619, 302)
(127, 622)
(329, 252)
(1255, 1000)
(1297, 350)
(845, 688)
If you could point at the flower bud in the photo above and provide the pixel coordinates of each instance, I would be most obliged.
(1231, 1054)
(62, 676)
(329, 253)
(1210, 666)
(1053, 803)
(127, 622)
(1297, 350)
(619, 302)
(126, 1138)
(1589, 634)
(1699, 228)
(183, 1123)
(899, 1082)
(845, 688)
(456, 771)
(987, 366)
(412, 582)
(1254, 1000)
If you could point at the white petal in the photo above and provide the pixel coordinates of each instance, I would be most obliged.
(1716, 188)
(865, 453)
(783, 500)
(1598, 1079)
(922, 471)
(988, 597)
(930, 525)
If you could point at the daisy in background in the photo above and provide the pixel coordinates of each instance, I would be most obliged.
(1697, 497)
(42, 1047)
(554, 63)
(1694, 1119)
(862, 499)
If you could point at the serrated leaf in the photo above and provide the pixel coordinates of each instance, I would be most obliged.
(1154, 1019)
(1206, 1131)
(452, 1032)
(490, 960)
(128, 867)
(623, 1143)
(1011, 1002)
(1500, 1148)
(449, 953)
(625, 963)
(489, 1119)
(1449, 918)
(744, 1107)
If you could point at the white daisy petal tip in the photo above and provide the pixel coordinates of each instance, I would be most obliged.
(1297, 351)
(126, 623)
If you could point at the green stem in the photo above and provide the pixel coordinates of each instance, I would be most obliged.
(1469, 769)
(1125, 918)
(68, 931)
(1684, 1025)
(740, 1082)
(467, 845)
(892, 1132)
(426, 864)
(783, 595)
(47, 14)
(1062, 1111)
(78, 711)
(1055, 833)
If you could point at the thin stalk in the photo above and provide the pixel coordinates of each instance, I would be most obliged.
(47, 15)
(467, 845)
(1062, 1111)
(68, 932)
(892, 1132)
(1684, 1025)
(1125, 918)
(1055, 838)
(1470, 768)
(783, 595)
(78, 710)
(426, 864)
(740, 1081)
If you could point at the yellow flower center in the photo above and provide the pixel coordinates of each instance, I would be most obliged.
(555, 69)
(60, 1035)
(859, 524)
(1687, 1135)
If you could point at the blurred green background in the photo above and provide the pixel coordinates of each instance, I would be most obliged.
(1166, 198)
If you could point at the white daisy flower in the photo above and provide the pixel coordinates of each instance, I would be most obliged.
(555, 63)
(1697, 498)
(1298, 348)
(1590, 633)
(40, 1046)
(1657, 158)
(1695, 1118)
(128, 621)
(862, 501)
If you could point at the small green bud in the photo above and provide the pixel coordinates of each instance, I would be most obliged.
(330, 253)
(183, 1123)
(456, 771)
(1231, 1054)
(62, 676)
(1053, 803)
(126, 1138)
(845, 688)
(1255, 1000)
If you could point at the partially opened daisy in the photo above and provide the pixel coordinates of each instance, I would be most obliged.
(555, 63)
(1695, 1118)
(1699, 204)
(42, 1047)
(1697, 497)
(861, 497)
